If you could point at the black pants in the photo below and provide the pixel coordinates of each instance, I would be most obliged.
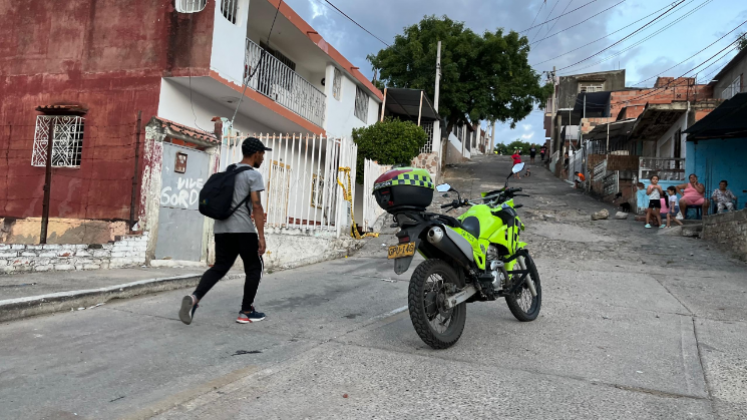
(228, 246)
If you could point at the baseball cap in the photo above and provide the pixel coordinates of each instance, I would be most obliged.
(252, 145)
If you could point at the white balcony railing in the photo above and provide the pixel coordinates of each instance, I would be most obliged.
(280, 83)
(668, 169)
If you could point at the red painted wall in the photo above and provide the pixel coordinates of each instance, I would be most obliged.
(107, 55)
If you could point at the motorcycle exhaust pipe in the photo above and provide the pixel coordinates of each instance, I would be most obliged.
(437, 237)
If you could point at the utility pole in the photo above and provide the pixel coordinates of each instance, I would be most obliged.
(492, 137)
(438, 76)
(47, 184)
(437, 146)
(552, 113)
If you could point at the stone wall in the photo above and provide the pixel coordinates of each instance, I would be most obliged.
(728, 230)
(127, 251)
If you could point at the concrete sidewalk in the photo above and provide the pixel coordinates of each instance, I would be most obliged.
(25, 295)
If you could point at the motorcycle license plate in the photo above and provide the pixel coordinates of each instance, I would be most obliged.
(402, 250)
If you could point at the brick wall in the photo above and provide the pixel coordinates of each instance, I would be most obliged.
(683, 89)
(728, 230)
(128, 251)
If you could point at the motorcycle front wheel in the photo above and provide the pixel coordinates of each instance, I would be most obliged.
(438, 327)
(523, 304)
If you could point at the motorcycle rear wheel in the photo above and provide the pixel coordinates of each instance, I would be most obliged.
(522, 304)
(436, 326)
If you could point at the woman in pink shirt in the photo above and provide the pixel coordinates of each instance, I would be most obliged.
(692, 195)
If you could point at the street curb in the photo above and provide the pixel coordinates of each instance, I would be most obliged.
(19, 308)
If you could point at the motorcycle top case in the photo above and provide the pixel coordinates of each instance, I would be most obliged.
(404, 189)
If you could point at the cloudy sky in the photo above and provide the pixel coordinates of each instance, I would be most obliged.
(703, 22)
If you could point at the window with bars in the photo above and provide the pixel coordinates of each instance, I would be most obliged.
(361, 104)
(337, 84)
(190, 6)
(428, 146)
(732, 89)
(230, 9)
(590, 87)
(67, 140)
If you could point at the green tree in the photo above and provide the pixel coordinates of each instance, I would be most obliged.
(482, 77)
(508, 149)
(742, 41)
(389, 142)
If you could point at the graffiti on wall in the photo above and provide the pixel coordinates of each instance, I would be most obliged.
(184, 195)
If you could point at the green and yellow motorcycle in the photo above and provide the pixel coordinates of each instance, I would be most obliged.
(478, 256)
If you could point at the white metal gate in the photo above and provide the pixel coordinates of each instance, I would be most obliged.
(371, 209)
(300, 175)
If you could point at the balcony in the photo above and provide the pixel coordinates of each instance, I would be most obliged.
(274, 79)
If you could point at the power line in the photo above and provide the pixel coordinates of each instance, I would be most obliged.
(719, 68)
(678, 20)
(392, 48)
(681, 62)
(604, 37)
(556, 22)
(555, 18)
(679, 77)
(359, 25)
(548, 15)
(624, 38)
(579, 23)
(544, 3)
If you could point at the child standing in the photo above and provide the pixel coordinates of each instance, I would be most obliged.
(673, 207)
(517, 160)
(654, 193)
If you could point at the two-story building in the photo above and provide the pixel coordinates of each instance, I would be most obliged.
(91, 74)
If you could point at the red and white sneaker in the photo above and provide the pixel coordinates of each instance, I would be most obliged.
(248, 318)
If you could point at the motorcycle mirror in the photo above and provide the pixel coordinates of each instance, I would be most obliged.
(443, 188)
(518, 168)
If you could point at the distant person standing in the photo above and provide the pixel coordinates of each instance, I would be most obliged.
(532, 153)
(543, 152)
(237, 235)
(517, 159)
(655, 193)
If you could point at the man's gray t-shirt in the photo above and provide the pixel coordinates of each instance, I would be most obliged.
(240, 221)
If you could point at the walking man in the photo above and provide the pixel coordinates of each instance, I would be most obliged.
(237, 235)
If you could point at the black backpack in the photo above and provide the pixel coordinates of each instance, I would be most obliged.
(216, 196)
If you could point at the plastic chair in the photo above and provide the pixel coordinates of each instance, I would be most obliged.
(714, 206)
(698, 213)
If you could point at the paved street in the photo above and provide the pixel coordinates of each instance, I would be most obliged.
(635, 325)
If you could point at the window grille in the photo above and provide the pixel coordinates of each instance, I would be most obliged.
(361, 104)
(732, 89)
(67, 145)
(230, 9)
(590, 87)
(428, 146)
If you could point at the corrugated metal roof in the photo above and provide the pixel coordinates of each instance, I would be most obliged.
(727, 121)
